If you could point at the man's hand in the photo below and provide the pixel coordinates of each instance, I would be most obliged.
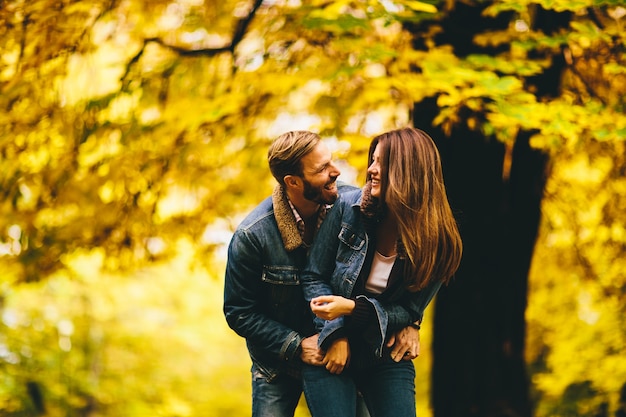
(406, 344)
(329, 307)
(337, 356)
(310, 353)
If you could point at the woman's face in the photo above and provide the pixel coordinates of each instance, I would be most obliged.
(375, 174)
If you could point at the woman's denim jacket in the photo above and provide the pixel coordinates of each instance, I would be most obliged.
(335, 262)
(263, 299)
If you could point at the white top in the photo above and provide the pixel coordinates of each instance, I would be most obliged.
(379, 274)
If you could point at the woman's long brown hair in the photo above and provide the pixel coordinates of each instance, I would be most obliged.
(414, 193)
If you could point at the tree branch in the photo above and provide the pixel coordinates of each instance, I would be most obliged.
(238, 34)
(242, 25)
(571, 64)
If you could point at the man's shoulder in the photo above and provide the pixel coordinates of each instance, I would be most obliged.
(264, 211)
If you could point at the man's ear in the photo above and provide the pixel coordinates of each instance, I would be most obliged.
(291, 180)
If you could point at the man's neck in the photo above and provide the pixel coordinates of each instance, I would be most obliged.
(306, 208)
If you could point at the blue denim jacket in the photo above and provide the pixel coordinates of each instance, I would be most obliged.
(335, 262)
(263, 299)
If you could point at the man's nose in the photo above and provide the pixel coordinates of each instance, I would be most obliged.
(334, 170)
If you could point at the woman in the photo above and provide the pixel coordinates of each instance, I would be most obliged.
(384, 251)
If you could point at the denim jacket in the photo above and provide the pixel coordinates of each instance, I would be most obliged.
(263, 299)
(335, 261)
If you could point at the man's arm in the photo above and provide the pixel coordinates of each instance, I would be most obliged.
(242, 292)
(310, 353)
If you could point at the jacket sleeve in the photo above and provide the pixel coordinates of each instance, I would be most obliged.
(242, 288)
(379, 319)
(321, 262)
(410, 308)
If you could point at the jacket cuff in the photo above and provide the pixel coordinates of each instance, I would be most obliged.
(292, 347)
(337, 334)
(362, 315)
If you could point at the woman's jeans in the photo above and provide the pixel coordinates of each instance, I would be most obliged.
(388, 388)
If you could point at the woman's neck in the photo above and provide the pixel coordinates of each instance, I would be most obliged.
(387, 236)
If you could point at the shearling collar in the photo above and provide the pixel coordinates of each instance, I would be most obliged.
(286, 220)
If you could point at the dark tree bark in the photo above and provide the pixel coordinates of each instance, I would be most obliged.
(479, 330)
(478, 351)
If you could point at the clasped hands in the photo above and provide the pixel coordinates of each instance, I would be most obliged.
(334, 360)
(405, 343)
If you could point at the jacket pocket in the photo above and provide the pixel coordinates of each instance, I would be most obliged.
(282, 296)
(350, 238)
(349, 249)
(281, 275)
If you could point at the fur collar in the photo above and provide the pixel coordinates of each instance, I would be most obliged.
(371, 207)
(285, 220)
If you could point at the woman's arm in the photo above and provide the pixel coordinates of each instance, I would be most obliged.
(320, 265)
(410, 308)
(330, 307)
(376, 320)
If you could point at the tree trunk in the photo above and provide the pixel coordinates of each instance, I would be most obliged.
(479, 330)
(496, 192)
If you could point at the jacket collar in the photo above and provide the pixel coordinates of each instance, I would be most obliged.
(285, 220)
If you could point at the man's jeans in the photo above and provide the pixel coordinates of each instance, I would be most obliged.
(388, 388)
(277, 399)
(280, 398)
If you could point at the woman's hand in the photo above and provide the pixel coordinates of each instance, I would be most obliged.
(337, 356)
(329, 307)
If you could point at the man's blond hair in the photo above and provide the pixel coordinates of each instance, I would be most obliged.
(286, 152)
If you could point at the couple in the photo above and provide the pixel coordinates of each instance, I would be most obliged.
(384, 251)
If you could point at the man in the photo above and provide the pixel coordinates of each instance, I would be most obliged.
(263, 300)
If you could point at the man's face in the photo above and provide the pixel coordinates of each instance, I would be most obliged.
(320, 175)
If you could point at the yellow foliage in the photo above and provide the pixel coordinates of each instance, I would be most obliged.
(154, 343)
(127, 126)
(575, 315)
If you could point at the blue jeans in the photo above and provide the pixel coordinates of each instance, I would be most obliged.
(278, 398)
(388, 388)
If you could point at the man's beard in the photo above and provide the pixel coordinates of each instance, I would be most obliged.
(316, 194)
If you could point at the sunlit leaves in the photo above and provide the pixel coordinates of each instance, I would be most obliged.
(522, 6)
(79, 334)
(576, 310)
(420, 6)
(574, 124)
(126, 125)
(519, 66)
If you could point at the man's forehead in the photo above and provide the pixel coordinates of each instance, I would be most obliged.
(318, 157)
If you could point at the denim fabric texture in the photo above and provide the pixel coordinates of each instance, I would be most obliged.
(263, 299)
(276, 399)
(387, 387)
(335, 262)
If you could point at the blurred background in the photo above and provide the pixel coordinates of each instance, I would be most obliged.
(133, 139)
